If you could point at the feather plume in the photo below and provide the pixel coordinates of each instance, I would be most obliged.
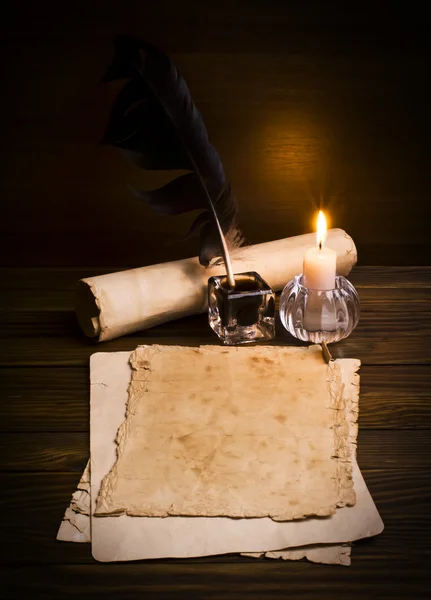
(157, 125)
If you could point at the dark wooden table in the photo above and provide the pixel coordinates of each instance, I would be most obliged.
(45, 445)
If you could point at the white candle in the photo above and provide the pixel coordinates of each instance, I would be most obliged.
(320, 263)
(319, 276)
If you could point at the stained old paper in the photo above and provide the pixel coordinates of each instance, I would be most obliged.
(130, 538)
(75, 527)
(239, 432)
(126, 538)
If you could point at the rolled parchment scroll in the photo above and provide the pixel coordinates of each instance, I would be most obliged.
(109, 306)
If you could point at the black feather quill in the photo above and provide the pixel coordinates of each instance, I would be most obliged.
(157, 125)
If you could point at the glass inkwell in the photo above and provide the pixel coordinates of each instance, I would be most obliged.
(244, 312)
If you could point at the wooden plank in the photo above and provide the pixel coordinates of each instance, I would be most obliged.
(388, 579)
(390, 307)
(48, 399)
(65, 278)
(36, 323)
(406, 278)
(380, 339)
(275, 150)
(226, 64)
(40, 320)
(395, 397)
(31, 289)
(69, 451)
(43, 289)
(57, 398)
(36, 501)
(268, 114)
(281, 165)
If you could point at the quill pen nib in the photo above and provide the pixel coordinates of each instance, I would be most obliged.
(326, 353)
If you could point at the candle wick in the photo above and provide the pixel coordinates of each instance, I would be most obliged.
(320, 245)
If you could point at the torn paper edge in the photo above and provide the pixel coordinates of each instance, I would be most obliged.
(78, 512)
(76, 527)
(333, 554)
(342, 454)
(76, 523)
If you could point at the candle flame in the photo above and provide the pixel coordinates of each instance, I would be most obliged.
(321, 229)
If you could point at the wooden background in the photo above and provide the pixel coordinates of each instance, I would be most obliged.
(290, 93)
(44, 443)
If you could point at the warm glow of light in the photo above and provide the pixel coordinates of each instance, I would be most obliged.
(321, 229)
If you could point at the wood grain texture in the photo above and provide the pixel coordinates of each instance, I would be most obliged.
(47, 317)
(381, 313)
(224, 582)
(44, 447)
(281, 89)
(37, 290)
(394, 326)
(379, 339)
(49, 399)
(394, 579)
(34, 506)
(57, 398)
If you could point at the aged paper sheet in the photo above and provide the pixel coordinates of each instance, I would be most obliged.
(75, 527)
(128, 538)
(239, 432)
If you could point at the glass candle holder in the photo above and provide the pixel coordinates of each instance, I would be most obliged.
(319, 315)
(245, 313)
